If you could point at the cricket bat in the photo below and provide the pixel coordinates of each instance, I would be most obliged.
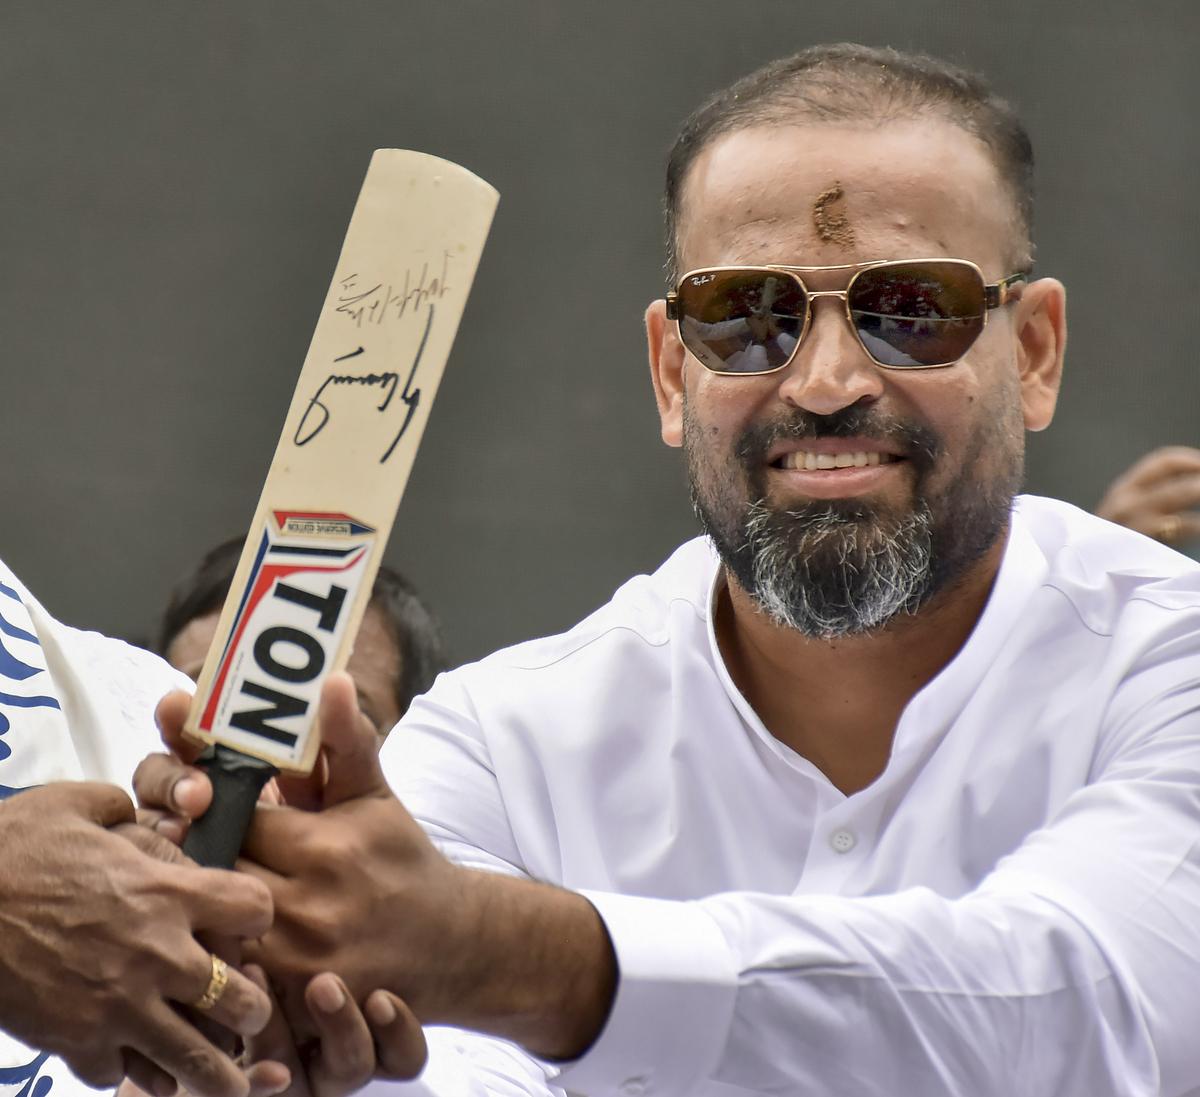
(330, 497)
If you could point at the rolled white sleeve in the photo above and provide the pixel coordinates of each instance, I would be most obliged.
(674, 1002)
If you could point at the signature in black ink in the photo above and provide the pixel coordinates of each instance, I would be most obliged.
(379, 303)
(410, 396)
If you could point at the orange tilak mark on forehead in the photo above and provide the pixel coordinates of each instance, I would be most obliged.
(831, 223)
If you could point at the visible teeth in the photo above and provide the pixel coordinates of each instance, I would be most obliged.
(811, 462)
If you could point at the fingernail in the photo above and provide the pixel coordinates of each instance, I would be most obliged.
(327, 996)
(271, 1091)
(256, 975)
(185, 788)
(380, 1010)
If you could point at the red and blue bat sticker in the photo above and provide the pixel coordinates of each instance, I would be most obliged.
(291, 618)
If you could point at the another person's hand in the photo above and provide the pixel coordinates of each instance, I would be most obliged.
(1158, 495)
(171, 792)
(350, 1046)
(346, 1052)
(99, 947)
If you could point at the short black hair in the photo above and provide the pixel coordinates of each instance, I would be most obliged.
(413, 627)
(846, 82)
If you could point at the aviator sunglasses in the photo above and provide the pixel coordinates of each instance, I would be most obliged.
(905, 313)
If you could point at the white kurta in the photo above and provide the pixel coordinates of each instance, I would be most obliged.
(73, 706)
(1012, 908)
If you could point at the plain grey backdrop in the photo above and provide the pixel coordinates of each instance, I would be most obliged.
(178, 176)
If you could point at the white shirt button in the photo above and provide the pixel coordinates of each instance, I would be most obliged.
(635, 1087)
(842, 841)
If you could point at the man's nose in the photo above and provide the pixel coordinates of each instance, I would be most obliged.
(831, 371)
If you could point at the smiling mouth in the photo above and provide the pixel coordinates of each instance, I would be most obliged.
(812, 462)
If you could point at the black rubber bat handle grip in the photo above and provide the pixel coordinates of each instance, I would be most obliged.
(215, 839)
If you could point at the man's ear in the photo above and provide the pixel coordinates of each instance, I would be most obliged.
(666, 370)
(1041, 330)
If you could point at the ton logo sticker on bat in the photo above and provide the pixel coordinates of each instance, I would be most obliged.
(290, 622)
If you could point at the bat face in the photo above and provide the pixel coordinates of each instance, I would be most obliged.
(348, 445)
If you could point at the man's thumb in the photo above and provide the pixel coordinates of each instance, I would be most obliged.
(350, 744)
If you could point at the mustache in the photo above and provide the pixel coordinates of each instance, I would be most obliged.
(914, 440)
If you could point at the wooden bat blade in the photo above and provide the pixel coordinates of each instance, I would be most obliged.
(347, 448)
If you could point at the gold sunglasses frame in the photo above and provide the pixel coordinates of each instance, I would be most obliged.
(995, 295)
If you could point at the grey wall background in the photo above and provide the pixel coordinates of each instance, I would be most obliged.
(177, 178)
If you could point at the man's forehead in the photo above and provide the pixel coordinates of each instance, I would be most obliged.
(825, 193)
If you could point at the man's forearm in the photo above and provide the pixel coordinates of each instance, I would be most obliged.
(366, 895)
(539, 970)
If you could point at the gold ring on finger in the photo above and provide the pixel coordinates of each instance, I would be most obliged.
(217, 982)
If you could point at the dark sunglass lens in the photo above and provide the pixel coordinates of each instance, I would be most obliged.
(919, 314)
(741, 321)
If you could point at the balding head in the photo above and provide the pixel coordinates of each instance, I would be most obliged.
(855, 85)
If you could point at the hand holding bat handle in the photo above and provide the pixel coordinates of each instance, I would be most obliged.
(215, 839)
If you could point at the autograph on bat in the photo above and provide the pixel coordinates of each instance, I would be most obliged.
(379, 303)
(388, 381)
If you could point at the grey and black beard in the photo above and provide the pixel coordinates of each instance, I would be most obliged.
(835, 568)
(828, 570)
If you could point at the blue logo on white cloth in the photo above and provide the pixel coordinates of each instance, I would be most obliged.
(26, 1077)
(22, 1079)
(15, 673)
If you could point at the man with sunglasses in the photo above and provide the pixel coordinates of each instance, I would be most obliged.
(891, 785)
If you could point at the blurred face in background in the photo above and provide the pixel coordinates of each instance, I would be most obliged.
(375, 663)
